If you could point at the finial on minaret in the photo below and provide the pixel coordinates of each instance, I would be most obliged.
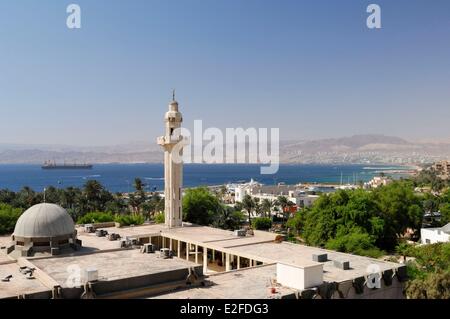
(173, 95)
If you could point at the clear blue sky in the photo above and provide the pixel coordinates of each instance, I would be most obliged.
(312, 68)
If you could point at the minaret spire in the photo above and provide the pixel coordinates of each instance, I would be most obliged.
(173, 167)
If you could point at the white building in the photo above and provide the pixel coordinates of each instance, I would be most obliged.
(256, 190)
(377, 181)
(244, 189)
(435, 235)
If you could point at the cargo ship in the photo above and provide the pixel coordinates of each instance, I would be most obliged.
(53, 165)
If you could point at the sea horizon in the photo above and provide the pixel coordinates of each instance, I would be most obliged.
(120, 177)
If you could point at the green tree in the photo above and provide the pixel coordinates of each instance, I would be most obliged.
(52, 195)
(267, 206)
(228, 218)
(26, 198)
(248, 204)
(68, 197)
(92, 192)
(8, 218)
(117, 205)
(7, 196)
(262, 223)
(200, 206)
(400, 209)
(381, 217)
(159, 218)
(296, 223)
(429, 273)
(285, 205)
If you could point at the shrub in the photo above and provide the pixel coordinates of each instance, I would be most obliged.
(262, 223)
(127, 220)
(8, 218)
(96, 217)
(433, 286)
(160, 218)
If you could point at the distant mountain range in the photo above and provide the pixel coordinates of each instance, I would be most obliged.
(373, 149)
(364, 149)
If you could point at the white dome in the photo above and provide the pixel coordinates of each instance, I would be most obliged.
(43, 221)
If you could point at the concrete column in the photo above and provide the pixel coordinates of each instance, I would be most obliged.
(223, 258)
(238, 262)
(187, 251)
(170, 244)
(179, 249)
(163, 242)
(227, 262)
(205, 260)
(196, 254)
(214, 255)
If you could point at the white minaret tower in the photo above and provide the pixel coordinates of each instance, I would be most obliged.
(173, 167)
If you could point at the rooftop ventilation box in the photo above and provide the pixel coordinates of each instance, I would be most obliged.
(299, 278)
(90, 274)
(240, 233)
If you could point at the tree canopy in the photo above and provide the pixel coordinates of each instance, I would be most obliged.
(200, 206)
(360, 221)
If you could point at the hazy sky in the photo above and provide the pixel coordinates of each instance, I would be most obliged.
(311, 68)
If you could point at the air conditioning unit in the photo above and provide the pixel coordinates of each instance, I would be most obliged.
(89, 228)
(342, 264)
(124, 243)
(113, 237)
(321, 258)
(165, 253)
(90, 274)
(240, 233)
(148, 249)
(101, 233)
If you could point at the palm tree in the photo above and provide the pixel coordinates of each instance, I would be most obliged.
(93, 192)
(137, 199)
(267, 206)
(248, 204)
(26, 198)
(138, 185)
(258, 207)
(285, 204)
(69, 196)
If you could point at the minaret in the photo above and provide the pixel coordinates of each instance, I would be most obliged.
(173, 168)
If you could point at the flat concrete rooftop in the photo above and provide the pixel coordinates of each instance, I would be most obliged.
(18, 284)
(301, 255)
(259, 247)
(135, 231)
(111, 265)
(249, 283)
(214, 237)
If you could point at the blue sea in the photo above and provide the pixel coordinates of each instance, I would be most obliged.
(120, 177)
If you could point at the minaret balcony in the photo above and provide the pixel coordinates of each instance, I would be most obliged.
(168, 140)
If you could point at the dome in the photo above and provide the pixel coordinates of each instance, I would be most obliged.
(44, 221)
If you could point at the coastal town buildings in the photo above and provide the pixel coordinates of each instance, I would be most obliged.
(182, 260)
(299, 195)
(378, 181)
